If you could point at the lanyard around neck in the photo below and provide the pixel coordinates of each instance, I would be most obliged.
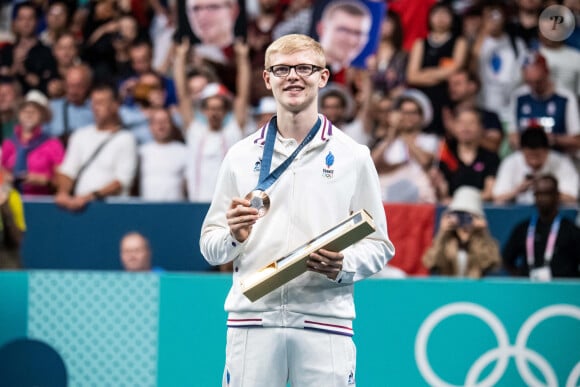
(550, 244)
(268, 178)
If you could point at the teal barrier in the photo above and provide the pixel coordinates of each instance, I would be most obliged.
(169, 329)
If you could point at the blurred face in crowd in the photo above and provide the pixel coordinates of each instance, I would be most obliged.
(105, 107)
(57, 17)
(153, 89)
(537, 78)
(495, 19)
(529, 5)
(30, 116)
(105, 9)
(195, 85)
(213, 21)
(77, 83)
(547, 197)
(8, 97)
(468, 129)
(135, 253)
(215, 110)
(65, 50)
(440, 20)
(25, 22)
(140, 57)
(411, 116)
(128, 28)
(535, 158)
(268, 6)
(343, 35)
(333, 107)
(460, 87)
(161, 126)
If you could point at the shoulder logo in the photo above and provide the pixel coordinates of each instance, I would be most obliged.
(328, 172)
(257, 165)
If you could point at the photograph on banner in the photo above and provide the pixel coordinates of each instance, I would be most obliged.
(348, 30)
(211, 25)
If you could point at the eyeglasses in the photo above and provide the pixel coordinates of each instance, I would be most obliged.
(303, 70)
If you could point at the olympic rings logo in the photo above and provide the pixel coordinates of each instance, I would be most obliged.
(502, 352)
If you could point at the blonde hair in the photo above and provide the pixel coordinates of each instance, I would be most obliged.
(289, 44)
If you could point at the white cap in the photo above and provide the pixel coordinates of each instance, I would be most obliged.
(423, 101)
(40, 100)
(467, 199)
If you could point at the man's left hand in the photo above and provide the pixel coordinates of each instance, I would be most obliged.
(325, 262)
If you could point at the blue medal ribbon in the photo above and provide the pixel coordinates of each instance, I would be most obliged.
(268, 178)
(550, 244)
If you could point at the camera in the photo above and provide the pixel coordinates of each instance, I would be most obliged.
(464, 219)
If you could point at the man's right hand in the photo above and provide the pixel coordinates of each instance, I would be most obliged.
(241, 217)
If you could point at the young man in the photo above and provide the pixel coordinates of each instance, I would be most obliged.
(546, 245)
(301, 332)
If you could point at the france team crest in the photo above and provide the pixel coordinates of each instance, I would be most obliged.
(328, 172)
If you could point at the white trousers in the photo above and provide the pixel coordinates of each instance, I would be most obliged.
(274, 357)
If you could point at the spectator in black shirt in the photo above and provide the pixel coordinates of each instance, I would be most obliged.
(463, 160)
(30, 61)
(530, 251)
(464, 86)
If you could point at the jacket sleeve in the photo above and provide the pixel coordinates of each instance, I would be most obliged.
(371, 254)
(217, 244)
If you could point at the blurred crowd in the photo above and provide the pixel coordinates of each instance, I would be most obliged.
(104, 98)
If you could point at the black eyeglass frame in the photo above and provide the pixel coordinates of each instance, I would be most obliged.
(311, 69)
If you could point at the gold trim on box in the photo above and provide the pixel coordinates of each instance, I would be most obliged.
(277, 273)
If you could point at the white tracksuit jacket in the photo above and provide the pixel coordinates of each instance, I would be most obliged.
(309, 198)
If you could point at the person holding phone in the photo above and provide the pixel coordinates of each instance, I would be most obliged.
(463, 246)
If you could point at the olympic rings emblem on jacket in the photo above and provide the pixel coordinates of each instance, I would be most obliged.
(502, 353)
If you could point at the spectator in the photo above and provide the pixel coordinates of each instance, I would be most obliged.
(434, 59)
(518, 171)
(380, 119)
(162, 161)
(135, 253)
(391, 60)
(190, 84)
(57, 22)
(525, 24)
(463, 161)
(562, 62)
(73, 111)
(463, 89)
(13, 226)
(496, 59)
(540, 104)
(404, 154)
(101, 159)
(209, 142)
(260, 28)
(10, 96)
(414, 16)
(30, 157)
(99, 30)
(547, 244)
(296, 19)
(161, 32)
(140, 54)
(31, 61)
(148, 94)
(66, 54)
(123, 39)
(463, 246)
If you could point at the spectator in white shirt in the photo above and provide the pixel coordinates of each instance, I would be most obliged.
(162, 161)
(518, 171)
